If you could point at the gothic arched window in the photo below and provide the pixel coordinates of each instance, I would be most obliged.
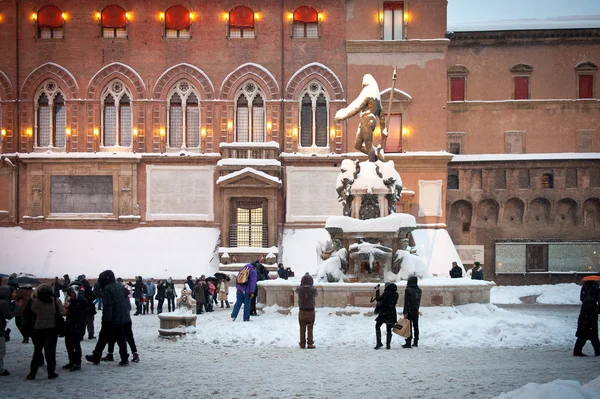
(183, 116)
(250, 114)
(314, 116)
(50, 116)
(116, 116)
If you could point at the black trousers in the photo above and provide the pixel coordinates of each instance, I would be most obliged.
(171, 304)
(415, 329)
(580, 343)
(388, 330)
(45, 341)
(107, 332)
(73, 346)
(128, 338)
(149, 305)
(89, 324)
(160, 305)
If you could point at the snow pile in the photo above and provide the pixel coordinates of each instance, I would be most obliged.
(558, 294)
(301, 254)
(557, 389)
(332, 267)
(411, 265)
(435, 247)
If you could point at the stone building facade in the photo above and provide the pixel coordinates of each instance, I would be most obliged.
(125, 114)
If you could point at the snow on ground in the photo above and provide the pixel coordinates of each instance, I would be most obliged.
(556, 389)
(557, 294)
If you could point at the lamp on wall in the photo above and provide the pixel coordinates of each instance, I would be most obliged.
(332, 139)
(29, 135)
(98, 17)
(295, 139)
(203, 140)
(269, 130)
(2, 139)
(67, 139)
(96, 139)
(229, 131)
(33, 18)
(161, 136)
(134, 137)
(405, 133)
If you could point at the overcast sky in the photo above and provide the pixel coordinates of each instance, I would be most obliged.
(468, 15)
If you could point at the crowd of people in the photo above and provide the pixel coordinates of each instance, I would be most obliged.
(39, 312)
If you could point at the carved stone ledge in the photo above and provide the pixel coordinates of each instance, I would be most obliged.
(397, 46)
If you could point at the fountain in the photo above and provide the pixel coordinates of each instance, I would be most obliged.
(182, 320)
(370, 242)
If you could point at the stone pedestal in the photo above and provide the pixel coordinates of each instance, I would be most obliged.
(173, 324)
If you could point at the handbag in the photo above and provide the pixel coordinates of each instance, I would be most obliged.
(60, 321)
(378, 307)
(402, 328)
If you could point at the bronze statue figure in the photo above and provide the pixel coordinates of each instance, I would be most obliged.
(368, 103)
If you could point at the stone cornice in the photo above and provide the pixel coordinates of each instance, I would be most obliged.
(397, 46)
(518, 37)
(453, 106)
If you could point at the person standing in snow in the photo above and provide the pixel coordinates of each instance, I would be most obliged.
(224, 291)
(412, 303)
(282, 273)
(171, 294)
(161, 289)
(77, 313)
(7, 312)
(245, 291)
(587, 323)
(199, 295)
(477, 272)
(190, 286)
(456, 271)
(387, 315)
(139, 294)
(306, 314)
(21, 296)
(150, 295)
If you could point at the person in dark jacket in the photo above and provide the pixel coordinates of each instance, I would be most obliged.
(244, 292)
(199, 295)
(282, 272)
(7, 312)
(115, 304)
(387, 314)
(127, 327)
(139, 294)
(161, 289)
(77, 314)
(88, 292)
(171, 294)
(150, 293)
(587, 323)
(456, 271)
(477, 272)
(21, 296)
(306, 315)
(261, 274)
(585, 289)
(412, 303)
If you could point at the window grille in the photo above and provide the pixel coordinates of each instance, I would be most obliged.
(50, 116)
(258, 120)
(305, 23)
(60, 121)
(241, 22)
(314, 117)
(321, 122)
(44, 118)
(249, 227)
(306, 122)
(110, 122)
(176, 125)
(125, 122)
(547, 181)
(193, 126)
(242, 119)
(114, 22)
(177, 22)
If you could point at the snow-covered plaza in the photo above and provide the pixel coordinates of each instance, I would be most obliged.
(470, 351)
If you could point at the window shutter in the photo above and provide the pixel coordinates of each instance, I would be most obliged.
(177, 18)
(50, 17)
(306, 14)
(394, 139)
(393, 5)
(114, 17)
(586, 86)
(241, 17)
(457, 89)
(521, 88)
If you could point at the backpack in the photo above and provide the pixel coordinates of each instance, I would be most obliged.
(243, 276)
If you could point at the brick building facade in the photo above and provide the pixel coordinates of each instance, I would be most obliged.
(124, 114)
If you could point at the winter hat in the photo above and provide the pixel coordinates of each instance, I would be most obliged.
(477, 264)
(412, 281)
(306, 280)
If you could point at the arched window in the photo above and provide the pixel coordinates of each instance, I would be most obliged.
(50, 123)
(306, 23)
(184, 116)
(586, 72)
(116, 116)
(250, 114)
(177, 23)
(50, 23)
(114, 22)
(241, 22)
(314, 117)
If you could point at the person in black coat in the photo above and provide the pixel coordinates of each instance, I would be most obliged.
(587, 324)
(161, 292)
(387, 313)
(139, 294)
(456, 271)
(412, 303)
(77, 313)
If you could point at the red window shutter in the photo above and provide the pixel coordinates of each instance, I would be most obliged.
(457, 89)
(177, 17)
(49, 17)
(394, 139)
(521, 88)
(241, 17)
(306, 14)
(114, 17)
(393, 5)
(586, 86)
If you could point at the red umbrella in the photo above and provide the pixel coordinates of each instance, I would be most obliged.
(591, 278)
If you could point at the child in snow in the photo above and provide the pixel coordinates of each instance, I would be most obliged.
(306, 315)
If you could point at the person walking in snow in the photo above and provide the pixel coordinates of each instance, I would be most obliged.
(7, 312)
(387, 314)
(171, 294)
(150, 296)
(587, 323)
(412, 303)
(77, 314)
(128, 332)
(306, 314)
(245, 286)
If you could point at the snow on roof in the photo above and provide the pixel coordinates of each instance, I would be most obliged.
(390, 223)
(247, 161)
(251, 170)
(111, 154)
(567, 156)
(250, 144)
(359, 155)
(244, 250)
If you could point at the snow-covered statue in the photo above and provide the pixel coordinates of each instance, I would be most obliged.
(368, 103)
(185, 301)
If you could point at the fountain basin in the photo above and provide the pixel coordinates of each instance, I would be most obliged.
(176, 324)
(437, 291)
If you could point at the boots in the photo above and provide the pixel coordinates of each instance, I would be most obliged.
(108, 358)
(221, 304)
(388, 341)
(51, 370)
(407, 344)
(227, 304)
(415, 343)
(378, 336)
